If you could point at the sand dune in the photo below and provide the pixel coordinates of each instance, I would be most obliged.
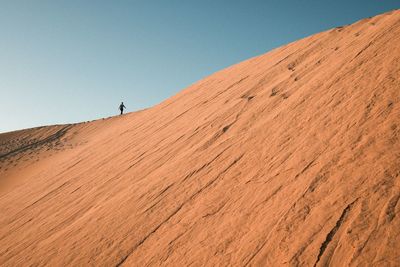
(291, 158)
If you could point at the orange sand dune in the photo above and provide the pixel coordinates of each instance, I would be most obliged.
(291, 158)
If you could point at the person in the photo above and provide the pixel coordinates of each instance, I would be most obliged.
(121, 107)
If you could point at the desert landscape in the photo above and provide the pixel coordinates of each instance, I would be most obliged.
(291, 158)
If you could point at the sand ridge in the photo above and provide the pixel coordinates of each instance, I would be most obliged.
(290, 158)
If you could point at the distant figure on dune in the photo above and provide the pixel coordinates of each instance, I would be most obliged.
(121, 107)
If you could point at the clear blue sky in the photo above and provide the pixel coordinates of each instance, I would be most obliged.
(76, 60)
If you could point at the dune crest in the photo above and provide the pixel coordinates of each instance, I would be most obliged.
(290, 158)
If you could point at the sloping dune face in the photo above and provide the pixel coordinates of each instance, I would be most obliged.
(290, 158)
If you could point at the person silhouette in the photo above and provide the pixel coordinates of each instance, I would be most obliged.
(121, 107)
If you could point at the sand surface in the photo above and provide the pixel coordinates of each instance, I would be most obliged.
(291, 158)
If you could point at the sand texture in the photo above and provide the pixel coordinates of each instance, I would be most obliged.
(291, 158)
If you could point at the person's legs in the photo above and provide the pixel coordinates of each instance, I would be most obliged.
(121, 111)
